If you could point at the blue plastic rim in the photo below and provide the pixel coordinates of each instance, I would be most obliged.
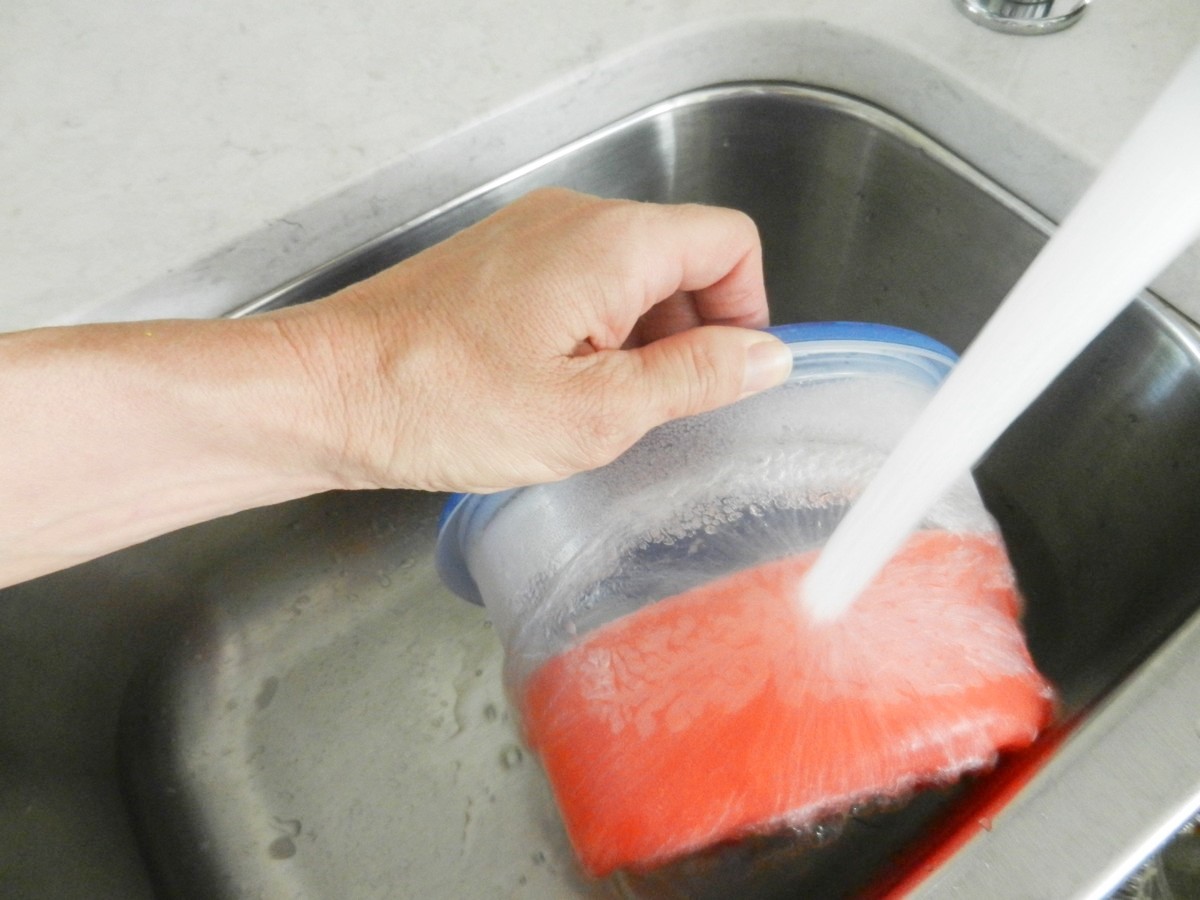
(461, 516)
(453, 502)
(813, 332)
(464, 514)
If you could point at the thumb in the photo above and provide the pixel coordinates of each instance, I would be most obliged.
(702, 368)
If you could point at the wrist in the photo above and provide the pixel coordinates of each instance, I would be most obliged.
(350, 390)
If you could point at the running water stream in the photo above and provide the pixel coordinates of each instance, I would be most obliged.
(1141, 212)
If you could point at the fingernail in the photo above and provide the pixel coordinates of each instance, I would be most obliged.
(768, 363)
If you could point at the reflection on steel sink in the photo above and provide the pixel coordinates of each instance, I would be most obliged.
(318, 717)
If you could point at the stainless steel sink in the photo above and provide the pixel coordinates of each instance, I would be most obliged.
(302, 710)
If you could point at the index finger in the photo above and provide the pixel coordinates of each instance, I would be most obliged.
(716, 259)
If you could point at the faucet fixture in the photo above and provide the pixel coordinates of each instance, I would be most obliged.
(1023, 16)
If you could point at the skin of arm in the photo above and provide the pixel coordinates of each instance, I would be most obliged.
(541, 342)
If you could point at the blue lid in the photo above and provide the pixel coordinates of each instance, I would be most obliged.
(453, 502)
(810, 332)
(464, 513)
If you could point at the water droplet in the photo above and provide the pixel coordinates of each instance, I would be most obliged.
(284, 846)
(266, 693)
(511, 757)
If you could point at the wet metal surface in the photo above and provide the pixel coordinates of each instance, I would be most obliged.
(313, 715)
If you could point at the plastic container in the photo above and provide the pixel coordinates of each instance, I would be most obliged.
(680, 715)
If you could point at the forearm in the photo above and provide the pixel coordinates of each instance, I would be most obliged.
(116, 433)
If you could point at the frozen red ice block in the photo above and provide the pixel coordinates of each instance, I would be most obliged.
(726, 710)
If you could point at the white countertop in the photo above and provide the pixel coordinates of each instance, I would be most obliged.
(179, 158)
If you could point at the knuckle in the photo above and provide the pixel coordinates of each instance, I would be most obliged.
(550, 196)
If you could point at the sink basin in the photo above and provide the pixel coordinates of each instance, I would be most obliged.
(307, 712)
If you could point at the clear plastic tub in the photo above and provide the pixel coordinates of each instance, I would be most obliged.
(587, 581)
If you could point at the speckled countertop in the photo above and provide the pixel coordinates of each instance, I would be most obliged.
(178, 159)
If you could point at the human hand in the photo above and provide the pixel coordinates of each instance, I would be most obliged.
(543, 341)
